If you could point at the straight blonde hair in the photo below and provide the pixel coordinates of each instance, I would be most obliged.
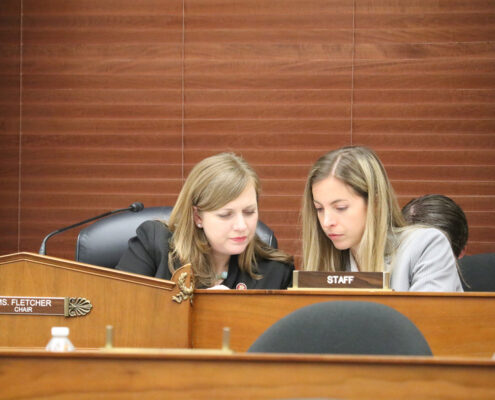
(360, 169)
(212, 183)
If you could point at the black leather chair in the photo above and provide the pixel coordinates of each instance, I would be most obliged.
(478, 272)
(343, 327)
(103, 242)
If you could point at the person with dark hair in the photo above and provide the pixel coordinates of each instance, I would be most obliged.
(443, 213)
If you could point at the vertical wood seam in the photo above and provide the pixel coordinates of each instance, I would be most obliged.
(182, 89)
(19, 184)
(352, 64)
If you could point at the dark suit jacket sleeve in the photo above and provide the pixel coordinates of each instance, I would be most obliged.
(287, 281)
(276, 275)
(147, 250)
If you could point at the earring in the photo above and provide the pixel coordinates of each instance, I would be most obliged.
(199, 226)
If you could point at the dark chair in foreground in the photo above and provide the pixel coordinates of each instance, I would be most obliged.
(478, 272)
(103, 242)
(343, 327)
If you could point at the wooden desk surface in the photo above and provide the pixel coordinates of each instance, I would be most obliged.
(94, 374)
(454, 324)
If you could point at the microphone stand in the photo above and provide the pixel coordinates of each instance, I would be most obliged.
(134, 207)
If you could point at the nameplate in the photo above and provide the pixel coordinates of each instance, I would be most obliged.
(340, 280)
(66, 306)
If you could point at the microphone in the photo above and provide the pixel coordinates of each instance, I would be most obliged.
(134, 207)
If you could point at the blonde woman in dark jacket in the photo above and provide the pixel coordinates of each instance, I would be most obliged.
(212, 226)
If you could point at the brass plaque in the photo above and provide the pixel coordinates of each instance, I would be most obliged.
(66, 306)
(32, 305)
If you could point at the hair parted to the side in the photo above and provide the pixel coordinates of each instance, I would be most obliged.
(440, 212)
(360, 169)
(212, 183)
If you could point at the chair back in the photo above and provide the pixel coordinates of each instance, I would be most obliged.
(343, 327)
(103, 242)
(478, 272)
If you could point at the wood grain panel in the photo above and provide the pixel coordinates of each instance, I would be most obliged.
(96, 127)
(274, 7)
(269, 81)
(265, 111)
(107, 97)
(102, 111)
(306, 157)
(334, 19)
(309, 126)
(471, 111)
(425, 81)
(426, 6)
(434, 65)
(69, 82)
(434, 314)
(426, 141)
(261, 140)
(423, 50)
(424, 90)
(446, 16)
(10, 112)
(441, 172)
(431, 35)
(107, 8)
(279, 37)
(139, 374)
(422, 126)
(267, 97)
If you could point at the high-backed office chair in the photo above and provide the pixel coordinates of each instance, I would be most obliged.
(103, 242)
(343, 327)
(478, 272)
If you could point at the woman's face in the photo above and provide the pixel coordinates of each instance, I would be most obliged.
(341, 212)
(230, 228)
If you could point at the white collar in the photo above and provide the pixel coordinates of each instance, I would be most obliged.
(354, 267)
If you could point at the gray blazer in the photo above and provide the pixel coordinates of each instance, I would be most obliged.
(423, 262)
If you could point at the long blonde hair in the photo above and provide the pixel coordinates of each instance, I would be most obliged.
(212, 183)
(359, 168)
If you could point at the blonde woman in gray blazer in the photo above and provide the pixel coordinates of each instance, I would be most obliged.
(352, 222)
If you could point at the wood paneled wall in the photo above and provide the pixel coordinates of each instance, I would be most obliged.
(108, 102)
(10, 112)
